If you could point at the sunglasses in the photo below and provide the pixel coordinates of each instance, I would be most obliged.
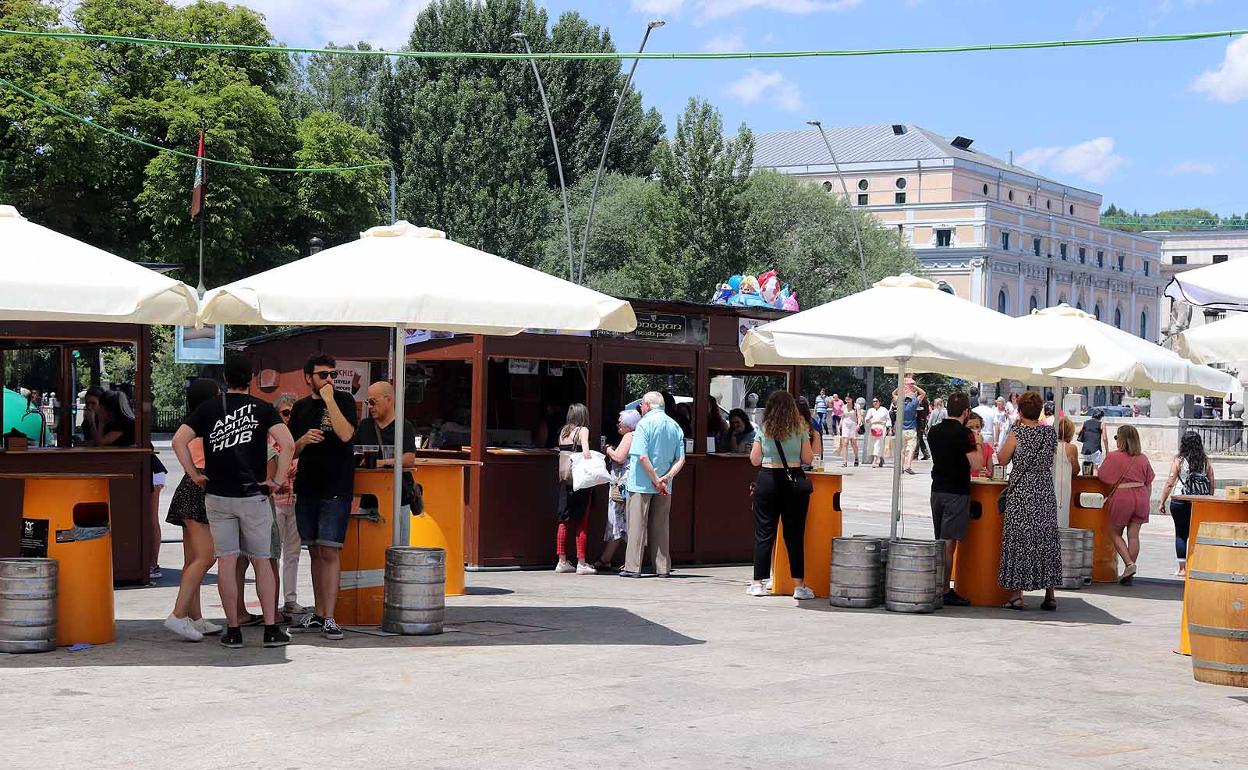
(331, 374)
(373, 402)
(285, 412)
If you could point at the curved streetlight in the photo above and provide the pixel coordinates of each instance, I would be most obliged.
(602, 162)
(866, 281)
(563, 188)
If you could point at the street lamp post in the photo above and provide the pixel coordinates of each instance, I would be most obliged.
(563, 188)
(602, 162)
(862, 264)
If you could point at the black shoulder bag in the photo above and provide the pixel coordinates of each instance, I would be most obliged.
(798, 482)
(412, 493)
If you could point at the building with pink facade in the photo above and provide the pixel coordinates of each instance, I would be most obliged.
(996, 233)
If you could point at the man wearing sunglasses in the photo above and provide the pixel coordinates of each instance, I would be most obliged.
(323, 425)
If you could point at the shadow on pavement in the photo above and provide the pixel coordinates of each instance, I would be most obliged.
(1143, 588)
(147, 643)
(1070, 609)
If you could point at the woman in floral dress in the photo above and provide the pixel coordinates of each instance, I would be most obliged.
(1031, 552)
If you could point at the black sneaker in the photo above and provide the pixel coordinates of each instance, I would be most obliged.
(275, 637)
(331, 630)
(310, 625)
(955, 599)
(232, 638)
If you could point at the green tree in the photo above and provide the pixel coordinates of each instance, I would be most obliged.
(337, 205)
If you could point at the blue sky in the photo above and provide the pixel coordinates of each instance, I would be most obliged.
(1150, 126)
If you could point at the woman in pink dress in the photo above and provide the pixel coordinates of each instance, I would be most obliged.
(1131, 475)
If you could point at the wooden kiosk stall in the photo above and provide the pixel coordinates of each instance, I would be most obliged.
(498, 403)
(63, 359)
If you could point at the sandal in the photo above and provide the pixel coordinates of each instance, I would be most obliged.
(1015, 604)
(1049, 605)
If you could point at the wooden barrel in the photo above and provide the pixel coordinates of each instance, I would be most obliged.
(28, 605)
(415, 591)
(910, 579)
(1217, 604)
(858, 571)
(1072, 543)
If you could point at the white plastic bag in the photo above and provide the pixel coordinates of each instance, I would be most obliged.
(591, 472)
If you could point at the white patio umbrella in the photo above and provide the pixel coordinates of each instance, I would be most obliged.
(1120, 358)
(1223, 286)
(400, 276)
(909, 323)
(1217, 342)
(48, 276)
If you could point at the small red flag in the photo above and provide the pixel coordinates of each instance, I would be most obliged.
(197, 192)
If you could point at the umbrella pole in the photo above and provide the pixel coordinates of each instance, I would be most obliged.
(1058, 410)
(400, 524)
(898, 449)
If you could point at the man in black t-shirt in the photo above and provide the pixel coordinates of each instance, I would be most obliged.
(236, 430)
(323, 425)
(378, 428)
(954, 458)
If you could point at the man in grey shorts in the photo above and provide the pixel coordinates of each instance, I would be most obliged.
(236, 430)
(954, 458)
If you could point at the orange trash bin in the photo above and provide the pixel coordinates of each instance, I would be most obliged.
(65, 516)
(823, 524)
(977, 560)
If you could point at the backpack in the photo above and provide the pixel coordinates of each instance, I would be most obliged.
(1195, 483)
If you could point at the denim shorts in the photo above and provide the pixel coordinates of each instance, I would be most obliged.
(322, 520)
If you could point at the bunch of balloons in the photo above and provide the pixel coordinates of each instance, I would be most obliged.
(761, 291)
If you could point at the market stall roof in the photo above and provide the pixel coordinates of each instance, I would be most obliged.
(401, 274)
(52, 277)
(905, 317)
(1223, 286)
(1217, 342)
(1120, 358)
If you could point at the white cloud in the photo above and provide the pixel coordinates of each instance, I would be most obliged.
(733, 41)
(705, 10)
(757, 86)
(1194, 167)
(1093, 160)
(660, 7)
(1228, 83)
(381, 23)
(1090, 19)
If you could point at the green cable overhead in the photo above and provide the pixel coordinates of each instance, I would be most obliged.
(598, 55)
(189, 155)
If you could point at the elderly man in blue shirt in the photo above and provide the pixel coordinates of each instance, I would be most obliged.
(656, 456)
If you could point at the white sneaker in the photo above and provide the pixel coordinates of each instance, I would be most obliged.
(183, 627)
(585, 568)
(564, 566)
(803, 592)
(768, 583)
(756, 589)
(206, 627)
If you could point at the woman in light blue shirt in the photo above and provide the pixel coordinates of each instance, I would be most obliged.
(784, 432)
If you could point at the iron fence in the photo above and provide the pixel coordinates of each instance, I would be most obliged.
(1219, 436)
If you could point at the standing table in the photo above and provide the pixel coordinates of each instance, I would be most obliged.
(1215, 507)
(977, 560)
(1104, 557)
(823, 523)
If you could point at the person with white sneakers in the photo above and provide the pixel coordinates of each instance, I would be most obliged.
(573, 505)
(783, 446)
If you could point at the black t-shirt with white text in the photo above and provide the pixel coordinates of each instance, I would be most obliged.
(236, 441)
(950, 442)
(326, 469)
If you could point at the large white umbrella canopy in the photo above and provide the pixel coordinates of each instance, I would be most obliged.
(402, 274)
(910, 318)
(52, 277)
(1223, 286)
(1116, 357)
(1217, 342)
(910, 324)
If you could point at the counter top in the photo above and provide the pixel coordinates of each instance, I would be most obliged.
(1218, 496)
(986, 482)
(64, 476)
(425, 461)
(77, 450)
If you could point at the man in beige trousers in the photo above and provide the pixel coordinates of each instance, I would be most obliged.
(657, 455)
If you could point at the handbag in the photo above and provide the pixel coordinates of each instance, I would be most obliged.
(799, 483)
(862, 429)
(589, 471)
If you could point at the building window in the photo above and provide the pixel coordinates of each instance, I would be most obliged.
(1144, 324)
(1005, 241)
(1048, 205)
(1079, 306)
(1003, 302)
(1010, 195)
(1083, 255)
(1219, 258)
(901, 183)
(1122, 264)
(1028, 200)
(985, 189)
(899, 198)
(1061, 299)
(1035, 246)
(862, 199)
(1100, 258)
(1061, 249)
(1096, 311)
(1072, 211)
(1117, 318)
(862, 184)
(944, 237)
(1032, 304)
(1178, 259)
(1146, 267)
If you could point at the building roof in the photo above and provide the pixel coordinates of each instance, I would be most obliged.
(870, 144)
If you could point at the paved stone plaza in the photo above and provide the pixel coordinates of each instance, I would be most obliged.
(538, 670)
